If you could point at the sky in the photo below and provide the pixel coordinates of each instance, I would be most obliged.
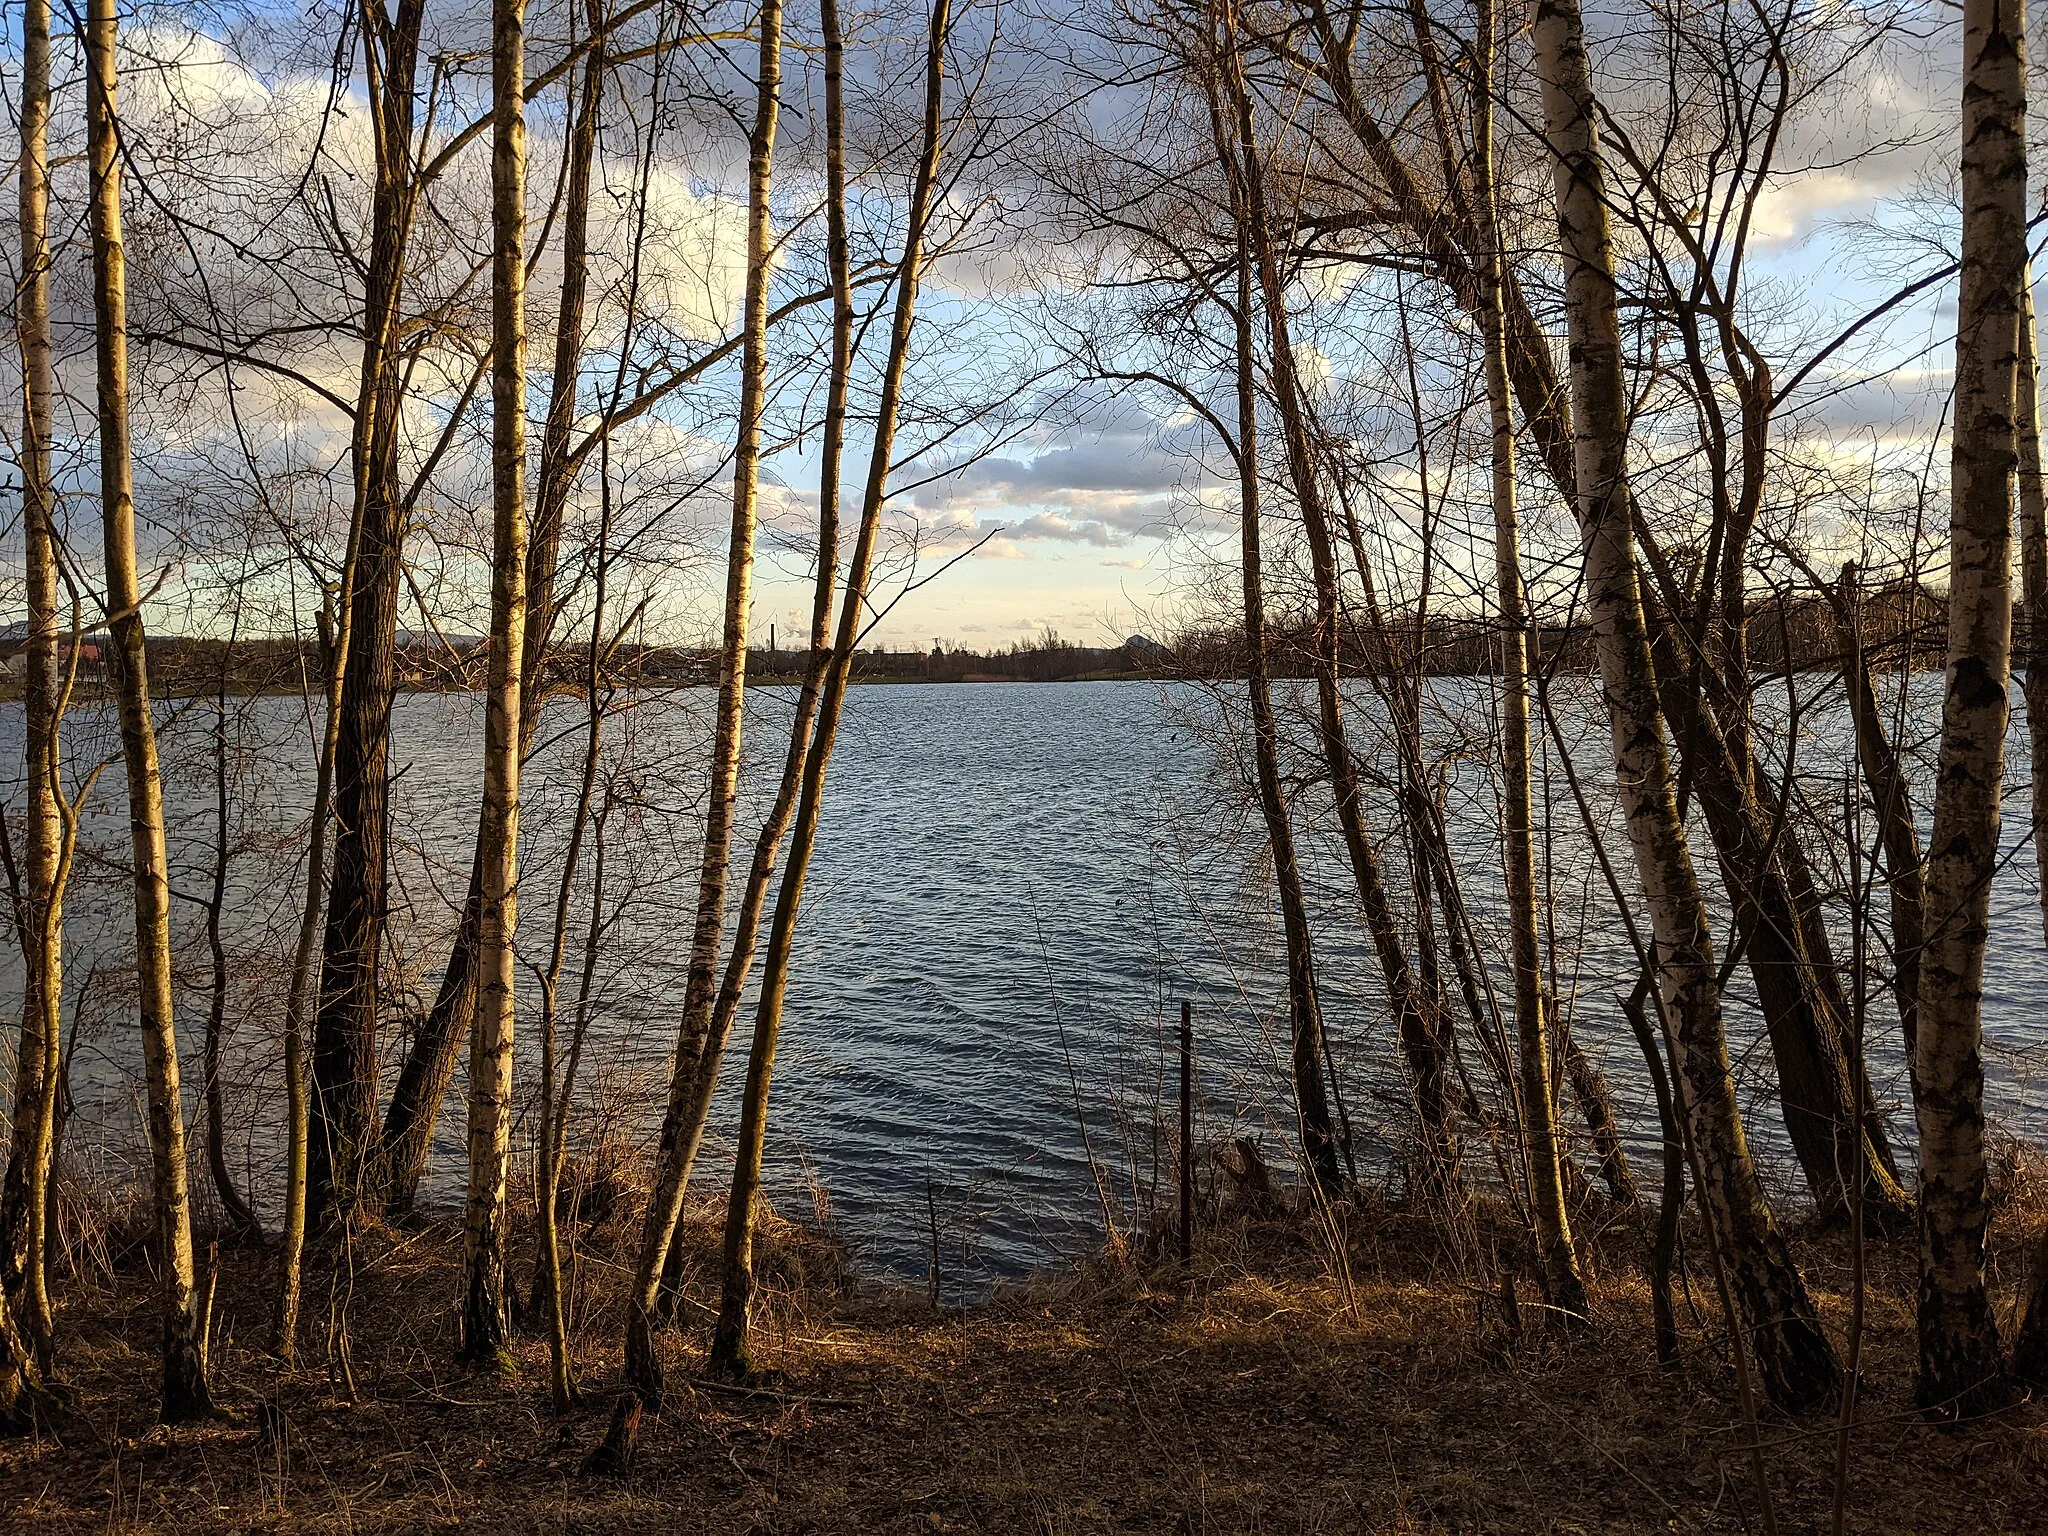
(1030, 502)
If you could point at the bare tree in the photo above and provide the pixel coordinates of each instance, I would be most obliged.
(1961, 1360)
(490, 1053)
(1794, 1357)
(184, 1392)
(39, 919)
(1539, 1120)
(730, 1354)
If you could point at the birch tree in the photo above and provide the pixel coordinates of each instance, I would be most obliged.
(1304, 1004)
(1794, 1358)
(345, 1024)
(730, 1350)
(490, 1053)
(1961, 1363)
(24, 1197)
(701, 986)
(1538, 1114)
(184, 1385)
(689, 1108)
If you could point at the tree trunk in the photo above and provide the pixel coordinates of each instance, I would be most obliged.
(1566, 1286)
(659, 1261)
(298, 1091)
(241, 1220)
(2030, 1349)
(345, 1023)
(1794, 1357)
(1304, 1007)
(1961, 1370)
(184, 1389)
(2033, 502)
(490, 1052)
(24, 1196)
(730, 1355)
(552, 502)
(1905, 874)
(429, 1066)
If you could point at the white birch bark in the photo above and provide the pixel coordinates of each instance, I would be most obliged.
(490, 1038)
(1794, 1358)
(184, 1387)
(1961, 1367)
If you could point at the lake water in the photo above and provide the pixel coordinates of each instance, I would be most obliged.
(1014, 887)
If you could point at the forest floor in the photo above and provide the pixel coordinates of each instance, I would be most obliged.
(1272, 1389)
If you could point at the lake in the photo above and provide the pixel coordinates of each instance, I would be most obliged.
(1015, 886)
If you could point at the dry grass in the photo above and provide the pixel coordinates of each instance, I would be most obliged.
(1260, 1394)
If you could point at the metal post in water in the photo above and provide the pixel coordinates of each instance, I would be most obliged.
(1187, 1131)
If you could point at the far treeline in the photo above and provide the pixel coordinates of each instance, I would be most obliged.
(1899, 628)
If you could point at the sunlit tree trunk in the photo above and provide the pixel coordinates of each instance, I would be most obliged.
(552, 503)
(1794, 1358)
(1961, 1368)
(490, 1039)
(730, 1354)
(1539, 1118)
(24, 1196)
(689, 1108)
(345, 1024)
(184, 1388)
(429, 1065)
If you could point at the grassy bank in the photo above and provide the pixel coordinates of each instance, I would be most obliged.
(1274, 1388)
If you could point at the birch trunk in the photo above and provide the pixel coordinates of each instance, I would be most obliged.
(1905, 874)
(345, 1024)
(429, 1066)
(490, 1041)
(1566, 1286)
(1961, 1369)
(2030, 1348)
(1241, 156)
(1793, 1355)
(24, 1199)
(700, 992)
(689, 1109)
(730, 1356)
(184, 1388)
(2033, 504)
(552, 503)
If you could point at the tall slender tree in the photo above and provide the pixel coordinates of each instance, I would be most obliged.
(490, 1038)
(700, 993)
(730, 1354)
(682, 1130)
(1794, 1358)
(345, 1022)
(184, 1386)
(1961, 1362)
(1248, 208)
(24, 1195)
(1304, 1002)
(1538, 1112)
